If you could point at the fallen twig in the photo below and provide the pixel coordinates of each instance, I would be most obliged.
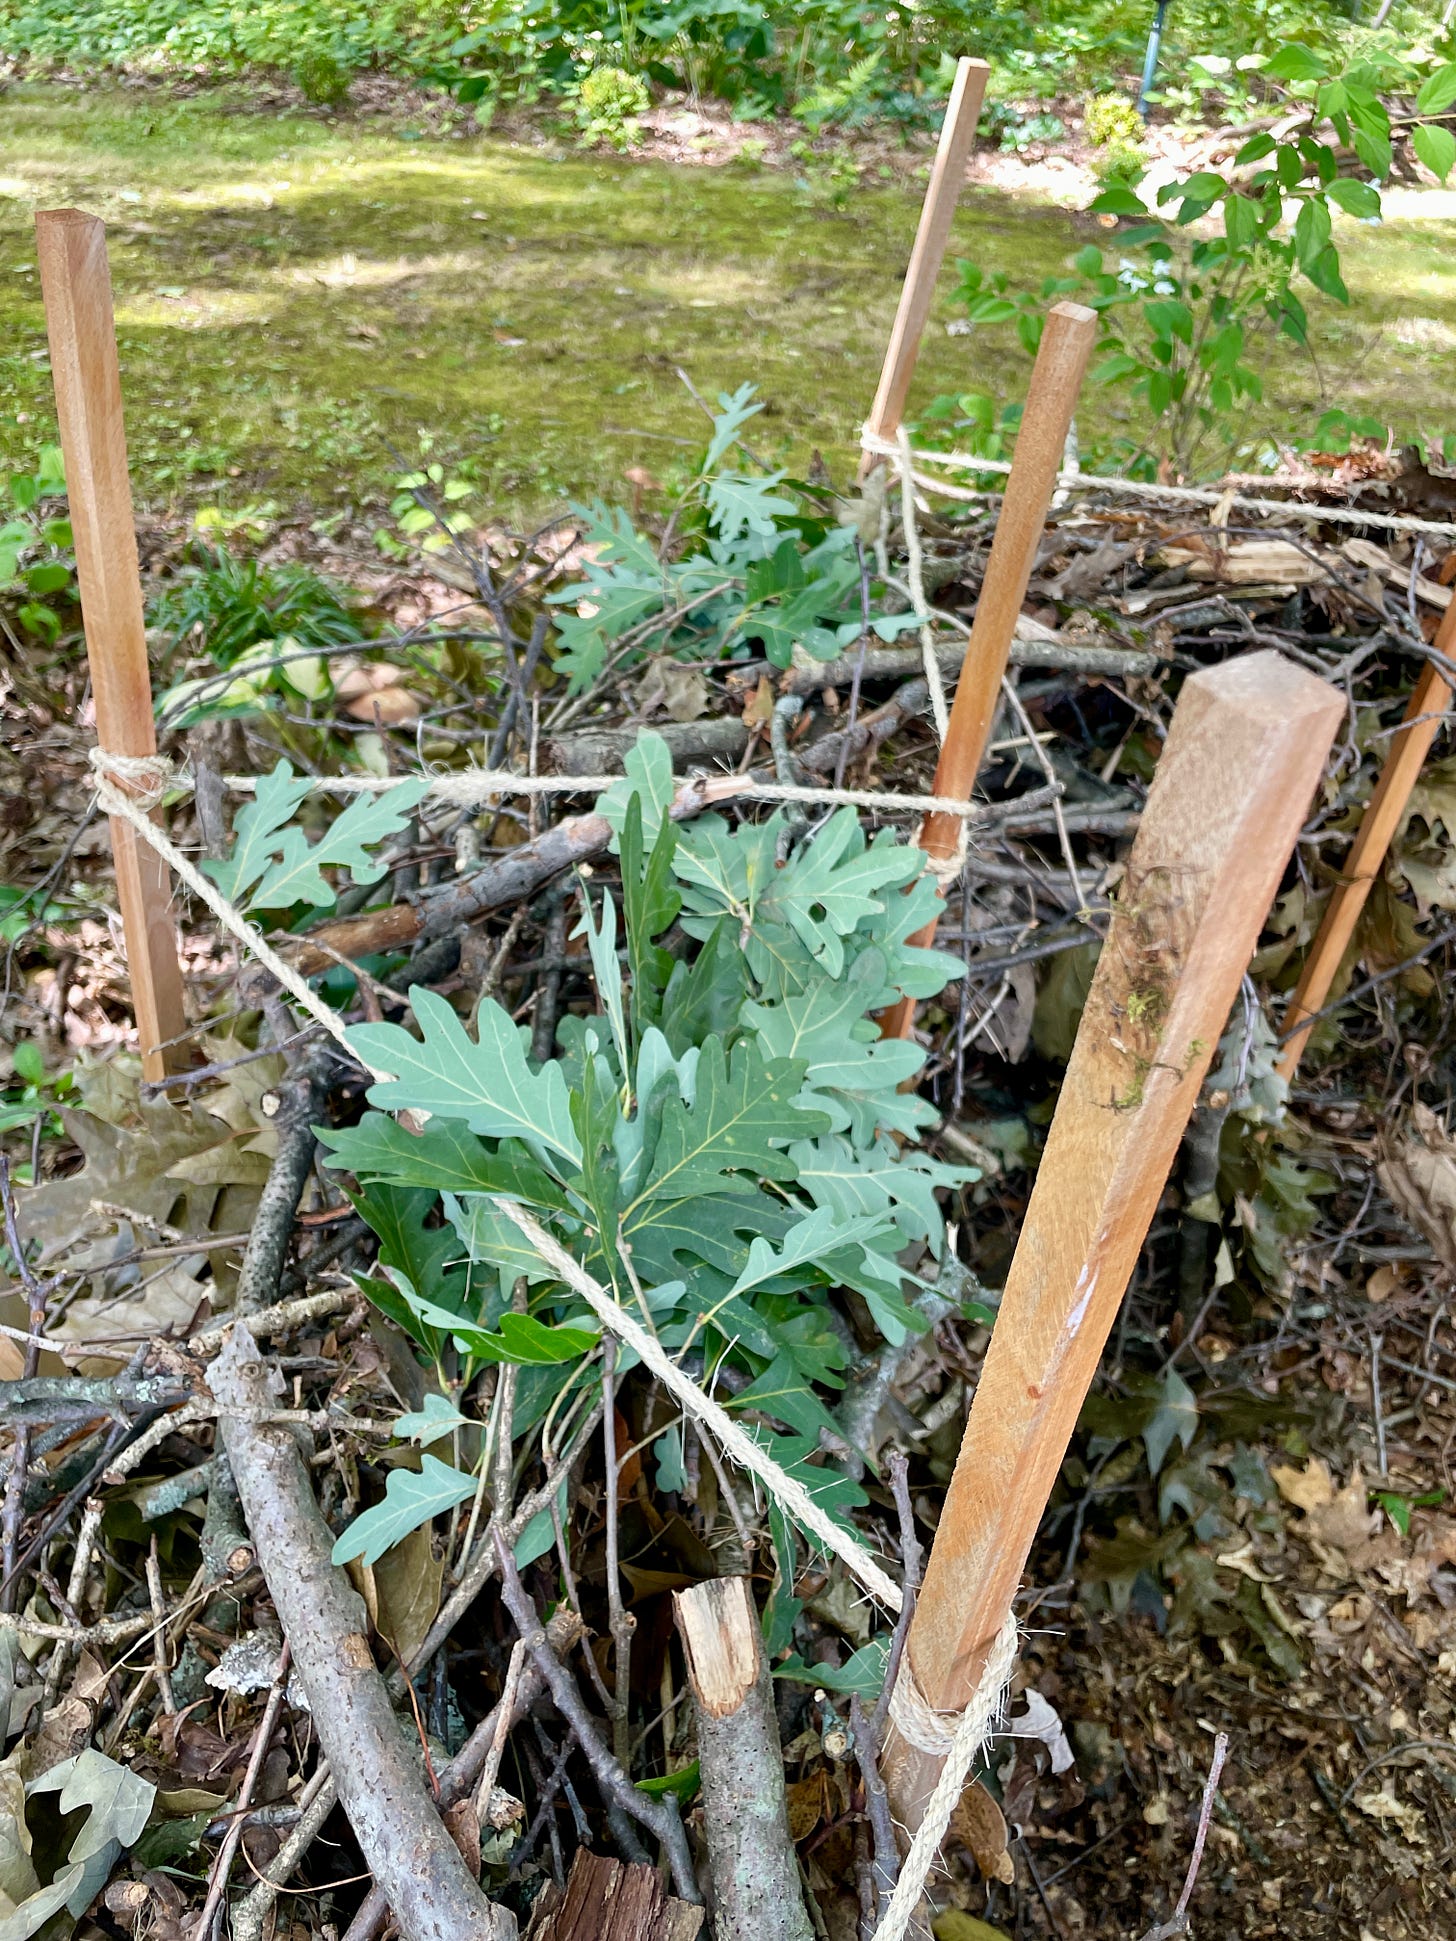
(1177, 1922)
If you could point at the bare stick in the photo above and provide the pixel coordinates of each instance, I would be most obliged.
(1178, 1922)
(76, 284)
(380, 1785)
(660, 1817)
(1241, 761)
(1430, 697)
(621, 1622)
(222, 1866)
(1056, 379)
(957, 135)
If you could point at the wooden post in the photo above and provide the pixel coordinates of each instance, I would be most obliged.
(1411, 744)
(957, 136)
(76, 283)
(1056, 380)
(1242, 759)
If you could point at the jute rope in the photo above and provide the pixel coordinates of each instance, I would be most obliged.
(734, 1440)
(146, 779)
(961, 1741)
(1139, 489)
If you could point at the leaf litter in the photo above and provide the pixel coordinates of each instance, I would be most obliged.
(1253, 1529)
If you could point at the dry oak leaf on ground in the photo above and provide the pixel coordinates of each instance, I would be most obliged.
(1339, 1519)
(1418, 1174)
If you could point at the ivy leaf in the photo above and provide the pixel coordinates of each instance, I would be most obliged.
(486, 1082)
(1176, 1415)
(742, 1115)
(411, 1499)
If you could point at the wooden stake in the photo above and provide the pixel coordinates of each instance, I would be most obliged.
(76, 283)
(957, 136)
(1411, 744)
(1241, 762)
(1056, 380)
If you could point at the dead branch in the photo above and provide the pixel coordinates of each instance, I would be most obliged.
(605, 1901)
(412, 1857)
(1177, 1923)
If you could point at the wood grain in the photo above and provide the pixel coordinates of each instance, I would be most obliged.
(957, 137)
(76, 284)
(606, 1901)
(1051, 399)
(1409, 748)
(1242, 759)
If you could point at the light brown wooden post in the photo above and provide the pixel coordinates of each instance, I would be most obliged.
(1430, 698)
(76, 283)
(1051, 400)
(957, 136)
(1241, 762)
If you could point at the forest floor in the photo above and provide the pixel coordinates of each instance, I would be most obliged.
(301, 297)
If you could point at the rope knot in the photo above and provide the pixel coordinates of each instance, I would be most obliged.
(141, 780)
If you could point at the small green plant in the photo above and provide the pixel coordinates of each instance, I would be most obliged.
(31, 1092)
(322, 78)
(719, 1144)
(1114, 128)
(829, 177)
(751, 567)
(609, 102)
(35, 547)
(270, 626)
(844, 100)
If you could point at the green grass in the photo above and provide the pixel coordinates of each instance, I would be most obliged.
(298, 298)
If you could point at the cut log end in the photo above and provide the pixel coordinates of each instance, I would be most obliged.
(719, 1632)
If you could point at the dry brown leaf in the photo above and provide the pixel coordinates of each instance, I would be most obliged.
(1310, 1488)
(1418, 1174)
(979, 1825)
(401, 1591)
(805, 1806)
(1348, 1523)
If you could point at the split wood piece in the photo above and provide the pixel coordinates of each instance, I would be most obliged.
(1242, 759)
(957, 136)
(1411, 744)
(607, 1901)
(751, 1859)
(1051, 399)
(381, 1783)
(76, 284)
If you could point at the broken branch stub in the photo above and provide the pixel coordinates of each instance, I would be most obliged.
(1242, 759)
(755, 1874)
(76, 285)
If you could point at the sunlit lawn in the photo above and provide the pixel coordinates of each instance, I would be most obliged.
(298, 299)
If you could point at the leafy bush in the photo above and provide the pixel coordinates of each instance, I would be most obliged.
(35, 546)
(1112, 121)
(1181, 316)
(323, 78)
(752, 567)
(718, 1144)
(608, 104)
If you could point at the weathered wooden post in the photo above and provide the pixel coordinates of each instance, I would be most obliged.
(1051, 399)
(76, 284)
(957, 137)
(1429, 700)
(1242, 759)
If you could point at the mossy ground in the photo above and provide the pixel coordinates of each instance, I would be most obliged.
(299, 297)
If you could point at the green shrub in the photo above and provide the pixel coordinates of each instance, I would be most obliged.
(608, 103)
(1113, 122)
(323, 79)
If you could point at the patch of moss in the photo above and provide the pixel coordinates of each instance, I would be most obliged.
(297, 300)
